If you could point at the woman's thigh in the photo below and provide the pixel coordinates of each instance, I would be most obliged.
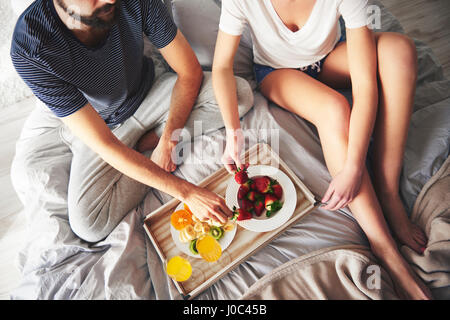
(309, 98)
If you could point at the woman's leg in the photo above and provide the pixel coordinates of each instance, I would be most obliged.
(330, 113)
(397, 72)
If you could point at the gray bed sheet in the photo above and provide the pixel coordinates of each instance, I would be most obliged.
(57, 265)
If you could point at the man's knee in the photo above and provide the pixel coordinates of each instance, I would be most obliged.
(83, 223)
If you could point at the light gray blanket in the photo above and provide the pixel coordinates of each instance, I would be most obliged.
(57, 265)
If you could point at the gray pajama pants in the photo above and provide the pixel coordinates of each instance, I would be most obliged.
(99, 196)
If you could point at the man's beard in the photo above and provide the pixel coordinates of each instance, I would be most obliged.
(94, 20)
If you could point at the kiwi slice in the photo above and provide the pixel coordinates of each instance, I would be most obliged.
(193, 246)
(216, 232)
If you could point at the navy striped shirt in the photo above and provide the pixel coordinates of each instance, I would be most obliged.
(114, 77)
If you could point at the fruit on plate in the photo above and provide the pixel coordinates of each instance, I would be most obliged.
(242, 192)
(193, 246)
(180, 219)
(179, 269)
(262, 184)
(187, 234)
(216, 232)
(258, 207)
(253, 196)
(229, 226)
(241, 175)
(277, 190)
(245, 204)
(208, 248)
(241, 214)
(272, 204)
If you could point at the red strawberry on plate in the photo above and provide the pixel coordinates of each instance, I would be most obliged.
(241, 176)
(259, 206)
(242, 192)
(245, 204)
(272, 204)
(241, 214)
(277, 190)
(262, 184)
(251, 195)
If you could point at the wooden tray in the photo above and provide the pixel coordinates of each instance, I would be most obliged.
(245, 242)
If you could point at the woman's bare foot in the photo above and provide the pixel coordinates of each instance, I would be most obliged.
(403, 229)
(148, 141)
(406, 282)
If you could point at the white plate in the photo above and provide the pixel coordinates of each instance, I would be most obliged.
(262, 223)
(224, 242)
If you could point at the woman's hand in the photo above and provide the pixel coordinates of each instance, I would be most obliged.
(233, 150)
(343, 188)
(206, 205)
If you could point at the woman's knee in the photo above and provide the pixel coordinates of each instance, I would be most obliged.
(336, 117)
(397, 51)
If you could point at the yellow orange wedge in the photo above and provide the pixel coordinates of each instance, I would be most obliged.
(180, 219)
(179, 269)
(208, 248)
(185, 206)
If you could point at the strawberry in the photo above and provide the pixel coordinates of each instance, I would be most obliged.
(242, 192)
(246, 204)
(248, 184)
(272, 204)
(259, 207)
(277, 190)
(262, 184)
(241, 214)
(241, 175)
(251, 195)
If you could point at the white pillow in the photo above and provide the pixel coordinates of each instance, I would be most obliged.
(198, 20)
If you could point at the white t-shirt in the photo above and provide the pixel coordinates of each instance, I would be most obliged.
(275, 45)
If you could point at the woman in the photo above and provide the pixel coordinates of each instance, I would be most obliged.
(300, 59)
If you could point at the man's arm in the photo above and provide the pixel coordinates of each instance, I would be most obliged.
(87, 125)
(181, 58)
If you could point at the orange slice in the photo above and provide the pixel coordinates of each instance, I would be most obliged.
(208, 248)
(185, 206)
(179, 269)
(181, 219)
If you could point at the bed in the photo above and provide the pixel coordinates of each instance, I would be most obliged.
(57, 265)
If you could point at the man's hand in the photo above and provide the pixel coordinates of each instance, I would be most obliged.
(205, 205)
(163, 155)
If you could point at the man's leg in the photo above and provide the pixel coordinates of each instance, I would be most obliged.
(205, 116)
(41, 164)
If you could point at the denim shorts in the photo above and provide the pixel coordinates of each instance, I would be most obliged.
(313, 70)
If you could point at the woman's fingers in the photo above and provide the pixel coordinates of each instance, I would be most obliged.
(328, 194)
(332, 203)
(340, 205)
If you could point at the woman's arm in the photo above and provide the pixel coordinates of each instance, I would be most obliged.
(362, 59)
(224, 85)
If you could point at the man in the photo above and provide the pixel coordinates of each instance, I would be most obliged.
(84, 60)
